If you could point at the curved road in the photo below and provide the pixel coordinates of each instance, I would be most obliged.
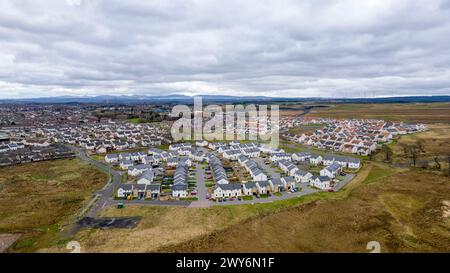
(103, 196)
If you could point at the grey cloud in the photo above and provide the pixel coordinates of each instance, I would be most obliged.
(276, 48)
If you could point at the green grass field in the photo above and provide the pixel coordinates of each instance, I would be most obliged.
(38, 199)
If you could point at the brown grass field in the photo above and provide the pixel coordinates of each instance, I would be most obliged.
(436, 140)
(38, 199)
(407, 112)
(162, 227)
(403, 210)
(406, 210)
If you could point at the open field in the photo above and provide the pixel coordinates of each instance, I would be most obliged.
(162, 227)
(37, 199)
(402, 209)
(303, 129)
(435, 141)
(407, 112)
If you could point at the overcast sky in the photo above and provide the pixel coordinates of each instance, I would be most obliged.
(316, 48)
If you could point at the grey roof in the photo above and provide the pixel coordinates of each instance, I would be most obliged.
(147, 175)
(154, 187)
(301, 172)
(353, 160)
(334, 167)
(230, 186)
(126, 187)
(276, 181)
(179, 187)
(324, 178)
(249, 185)
(127, 162)
(263, 183)
(141, 167)
(139, 187)
(289, 179)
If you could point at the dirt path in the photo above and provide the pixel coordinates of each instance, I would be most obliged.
(7, 240)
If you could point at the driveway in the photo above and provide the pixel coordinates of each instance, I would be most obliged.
(344, 182)
(269, 170)
(201, 188)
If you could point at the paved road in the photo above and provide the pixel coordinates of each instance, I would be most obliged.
(104, 196)
(306, 189)
(180, 203)
(349, 177)
(285, 195)
(201, 188)
(269, 170)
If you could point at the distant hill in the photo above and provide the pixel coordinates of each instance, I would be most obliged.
(217, 98)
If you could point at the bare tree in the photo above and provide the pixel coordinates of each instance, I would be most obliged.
(436, 161)
(387, 153)
(448, 159)
(414, 150)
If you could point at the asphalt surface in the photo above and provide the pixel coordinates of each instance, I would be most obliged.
(104, 195)
(108, 222)
(269, 170)
(201, 188)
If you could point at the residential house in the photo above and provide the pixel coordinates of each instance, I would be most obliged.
(249, 188)
(227, 190)
(321, 182)
(125, 164)
(302, 176)
(111, 158)
(124, 190)
(147, 177)
(289, 182)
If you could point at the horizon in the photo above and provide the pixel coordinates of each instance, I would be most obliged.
(320, 49)
(231, 96)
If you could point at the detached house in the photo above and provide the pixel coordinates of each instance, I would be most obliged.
(147, 177)
(279, 156)
(263, 187)
(302, 156)
(289, 182)
(257, 174)
(302, 176)
(124, 190)
(321, 182)
(125, 164)
(180, 190)
(227, 190)
(315, 159)
(249, 188)
(138, 169)
(277, 185)
(111, 158)
(353, 163)
(331, 170)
